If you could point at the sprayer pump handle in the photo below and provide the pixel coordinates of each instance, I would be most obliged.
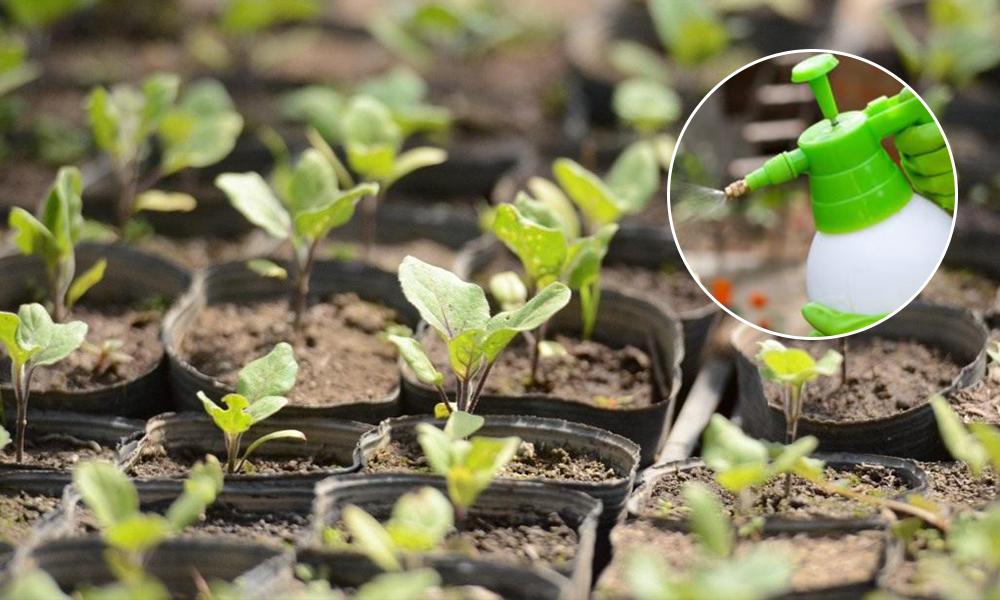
(813, 71)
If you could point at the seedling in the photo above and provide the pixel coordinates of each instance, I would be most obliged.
(459, 312)
(720, 573)
(52, 235)
(259, 394)
(131, 534)
(468, 465)
(626, 189)
(647, 106)
(108, 354)
(373, 140)
(792, 368)
(977, 445)
(302, 208)
(33, 340)
(197, 130)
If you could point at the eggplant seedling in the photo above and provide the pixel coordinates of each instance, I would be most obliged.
(196, 130)
(33, 340)
(302, 208)
(459, 312)
(52, 236)
(131, 534)
(259, 394)
(792, 368)
(468, 465)
(107, 355)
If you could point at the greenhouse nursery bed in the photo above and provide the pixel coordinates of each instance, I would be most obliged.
(328, 300)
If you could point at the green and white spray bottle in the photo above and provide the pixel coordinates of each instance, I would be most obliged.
(877, 241)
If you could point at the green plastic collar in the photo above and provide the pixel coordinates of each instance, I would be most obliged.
(853, 182)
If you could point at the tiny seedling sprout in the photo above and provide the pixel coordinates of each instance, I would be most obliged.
(792, 368)
(259, 394)
(33, 340)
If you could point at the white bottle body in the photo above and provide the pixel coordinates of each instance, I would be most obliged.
(878, 269)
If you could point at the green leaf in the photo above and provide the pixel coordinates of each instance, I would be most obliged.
(104, 120)
(738, 460)
(137, 532)
(62, 210)
(829, 363)
(201, 488)
(415, 357)
(551, 197)
(414, 584)
(319, 106)
(444, 301)
(961, 444)
(500, 329)
(84, 282)
(320, 145)
(266, 268)
(421, 520)
(4, 438)
(232, 420)
(313, 182)
(465, 353)
(372, 138)
(106, 491)
(8, 337)
(645, 104)
(707, 520)
(989, 438)
(594, 199)
(436, 445)
(250, 194)
(33, 584)
(584, 257)
(634, 177)
(541, 249)
(793, 366)
(316, 222)
(461, 425)
(413, 160)
(159, 91)
(371, 538)
(160, 201)
(484, 458)
(791, 457)
(31, 237)
(265, 407)
(284, 434)
(270, 375)
(54, 341)
(508, 289)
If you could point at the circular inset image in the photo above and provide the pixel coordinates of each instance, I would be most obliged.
(812, 193)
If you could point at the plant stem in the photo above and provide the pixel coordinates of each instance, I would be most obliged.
(479, 387)
(535, 353)
(369, 210)
(232, 452)
(302, 274)
(21, 379)
(128, 182)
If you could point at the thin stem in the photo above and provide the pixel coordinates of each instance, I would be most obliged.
(233, 452)
(369, 211)
(536, 352)
(22, 378)
(442, 395)
(302, 274)
(474, 401)
(460, 395)
(128, 176)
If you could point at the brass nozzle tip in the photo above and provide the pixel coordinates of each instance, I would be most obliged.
(737, 189)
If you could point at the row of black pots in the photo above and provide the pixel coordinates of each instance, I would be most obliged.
(912, 433)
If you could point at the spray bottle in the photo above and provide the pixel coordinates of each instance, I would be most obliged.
(877, 241)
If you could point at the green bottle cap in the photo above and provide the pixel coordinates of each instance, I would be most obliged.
(853, 182)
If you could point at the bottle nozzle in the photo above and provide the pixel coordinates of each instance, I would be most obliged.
(736, 189)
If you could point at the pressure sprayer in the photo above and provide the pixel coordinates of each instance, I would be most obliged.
(877, 241)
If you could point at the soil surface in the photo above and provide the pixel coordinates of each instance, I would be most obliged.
(20, 512)
(671, 285)
(590, 372)
(959, 287)
(158, 463)
(952, 483)
(980, 402)
(533, 461)
(805, 502)
(138, 330)
(57, 451)
(857, 556)
(338, 341)
(884, 378)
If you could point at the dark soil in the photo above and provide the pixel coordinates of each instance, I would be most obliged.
(339, 341)
(805, 502)
(952, 483)
(671, 285)
(158, 463)
(980, 402)
(20, 512)
(533, 461)
(590, 373)
(884, 378)
(959, 287)
(857, 556)
(139, 330)
(57, 451)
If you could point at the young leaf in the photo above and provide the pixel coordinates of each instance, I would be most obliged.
(461, 425)
(54, 341)
(234, 419)
(444, 301)
(552, 198)
(106, 491)
(84, 282)
(374, 541)
(501, 328)
(160, 201)
(18, 354)
(270, 375)
(266, 268)
(4, 438)
(508, 289)
(414, 160)
(137, 532)
(541, 249)
(436, 445)
(201, 488)
(201, 130)
(961, 444)
(634, 177)
(284, 434)
(645, 104)
(250, 194)
(484, 458)
(263, 408)
(372, 138)
(316, 222)
(707, 520)
(415, 584)
(421, 520)
(417, 360)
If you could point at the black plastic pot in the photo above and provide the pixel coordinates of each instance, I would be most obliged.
(377, 494)
(908, 471)
(234, 282)
(35, 483)
(110, 432)
(620, 454)
(331, 439)
(78, 563)
(131, 277)
(910, 434)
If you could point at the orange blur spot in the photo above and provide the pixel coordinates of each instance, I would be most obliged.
(757, 300)
(722, 289)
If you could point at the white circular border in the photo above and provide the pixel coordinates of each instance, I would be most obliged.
(670, 209)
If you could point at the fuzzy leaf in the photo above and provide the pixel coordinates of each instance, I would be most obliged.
(8, 337)
(591, 195)
(54, 341)
(319, 106)
(160, 201)
(541, 249)
(444, 301)
(371, 538)
(372, 137)
(250, 194)
(4, 438)
(232, 420)
(62, 211)
(103, 120)
(484, 458)
(313, 182)
(84, 282)
(270, 375)
(106, 491)
(415, 357)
